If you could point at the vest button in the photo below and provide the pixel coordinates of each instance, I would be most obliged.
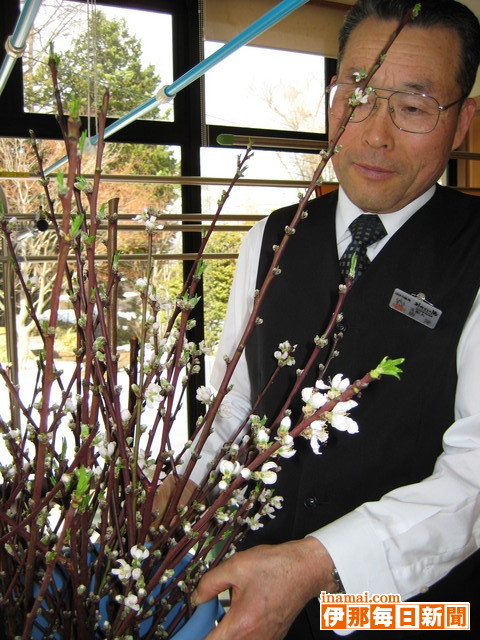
(310, 502)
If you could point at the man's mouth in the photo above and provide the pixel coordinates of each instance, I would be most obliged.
(372, 171)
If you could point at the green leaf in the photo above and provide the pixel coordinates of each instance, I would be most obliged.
(83, 482)
(353, 266)
(62, 187)
(74, 106)
(76, 225)
(81, 183)
(388, 367)
(63, 454)
(81, 494)
(82, 140)
(115, 261)
(201, 268)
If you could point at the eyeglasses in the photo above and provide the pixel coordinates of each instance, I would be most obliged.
(409, 111)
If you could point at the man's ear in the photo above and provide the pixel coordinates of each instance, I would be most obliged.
(465, 118)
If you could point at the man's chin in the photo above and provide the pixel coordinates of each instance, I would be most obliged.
(374, 199)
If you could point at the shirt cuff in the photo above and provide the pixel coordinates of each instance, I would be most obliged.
(358, 554)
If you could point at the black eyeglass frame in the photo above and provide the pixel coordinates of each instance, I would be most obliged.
(440, 108)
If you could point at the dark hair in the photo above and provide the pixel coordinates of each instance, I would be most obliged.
(434, 13)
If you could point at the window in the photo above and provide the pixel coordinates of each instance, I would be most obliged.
(266, 89)
(127, 50)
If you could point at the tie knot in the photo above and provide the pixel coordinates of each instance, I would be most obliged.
(367, 229)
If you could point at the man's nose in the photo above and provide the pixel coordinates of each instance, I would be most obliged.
(378, 128)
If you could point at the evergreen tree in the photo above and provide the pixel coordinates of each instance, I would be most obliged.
(218, 281)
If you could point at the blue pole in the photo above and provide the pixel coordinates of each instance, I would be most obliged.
(259, 26)
(167, 93)
(15, 44)
(24, 23)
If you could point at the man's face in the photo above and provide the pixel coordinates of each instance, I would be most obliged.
(381, 168)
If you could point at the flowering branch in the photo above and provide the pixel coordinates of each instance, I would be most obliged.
(87, 516)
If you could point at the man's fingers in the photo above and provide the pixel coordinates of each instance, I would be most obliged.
(165, 494)
(211, 584)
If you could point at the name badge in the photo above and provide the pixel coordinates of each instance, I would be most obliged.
(415, 307)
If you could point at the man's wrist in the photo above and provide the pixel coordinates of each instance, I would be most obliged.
(324, 566)
(338, 581)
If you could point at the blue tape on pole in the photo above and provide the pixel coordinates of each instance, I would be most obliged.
(16, 42)
(24, 23)
(262, 24)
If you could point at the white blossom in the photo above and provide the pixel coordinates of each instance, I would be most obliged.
(125, 415)
(339, 419)
(286, 450)
(266, 474)
(225, 409)
(204, 395)
(139, 553)
(106, 449)
(358, 97)
(147, 465)
(317, 433)
(131, 601)
(268, 510)
(238, 497)
(124, 572)
(261, 439)
(137, 573)
(221, 516)
(161, 302)
(204, 349)
(229, 470)
(254, 523)
(337, 386)
(70, 404)
(141, 284)
(152, 394)
(276, 501)
(245, 473)
(313, 399)
(148, 217)
(228, 467)
(283, 354)
(360, 75)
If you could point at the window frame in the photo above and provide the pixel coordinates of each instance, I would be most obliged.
(188, 130)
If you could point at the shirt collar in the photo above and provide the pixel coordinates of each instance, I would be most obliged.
(347, 212)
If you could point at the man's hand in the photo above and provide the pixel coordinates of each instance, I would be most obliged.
(270, 585)
(164, 495)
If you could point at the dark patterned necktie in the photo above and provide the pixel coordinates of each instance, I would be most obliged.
(365, 230)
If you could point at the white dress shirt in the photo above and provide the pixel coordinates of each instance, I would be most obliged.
(414, 535)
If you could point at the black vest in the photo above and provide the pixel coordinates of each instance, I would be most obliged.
(436, 252)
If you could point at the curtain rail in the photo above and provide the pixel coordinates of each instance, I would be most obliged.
(206, 181)
(131, 257)
(175, 180)
(227, 139)
(181, 217)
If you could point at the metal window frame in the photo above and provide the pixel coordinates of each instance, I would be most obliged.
(188, 130)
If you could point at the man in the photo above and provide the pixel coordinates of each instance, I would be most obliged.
(395, 508)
